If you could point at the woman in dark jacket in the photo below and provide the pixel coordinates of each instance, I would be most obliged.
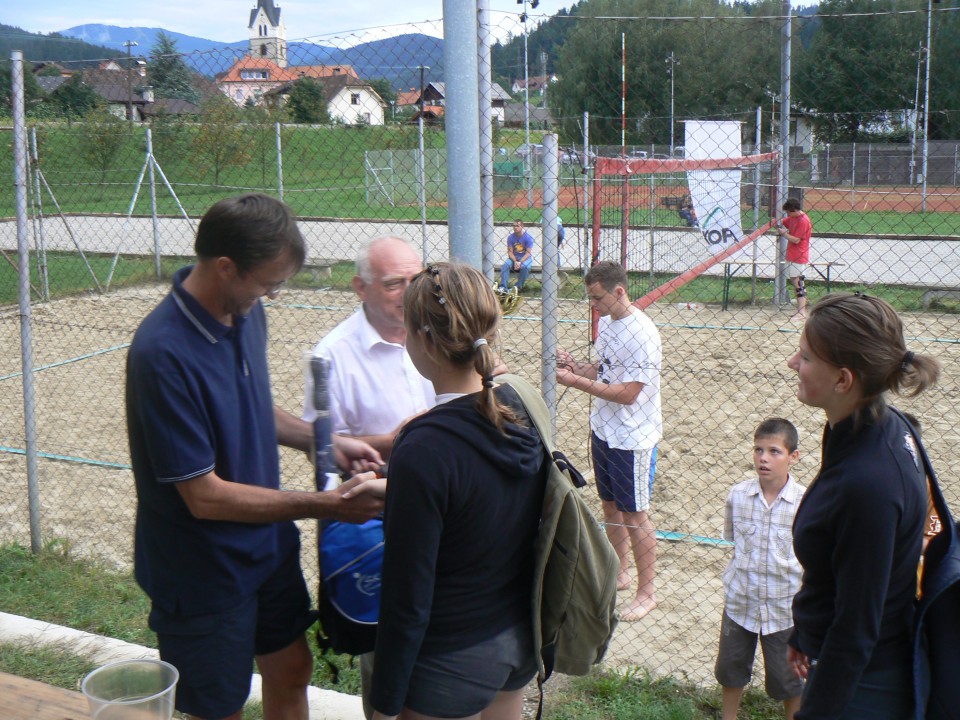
(858, 530)
(464, 496)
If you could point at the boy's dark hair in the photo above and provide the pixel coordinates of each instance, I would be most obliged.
(250, 230)
(781, 428)
(791, 204)
(608, 274)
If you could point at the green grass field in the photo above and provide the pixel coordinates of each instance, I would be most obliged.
(324, 175)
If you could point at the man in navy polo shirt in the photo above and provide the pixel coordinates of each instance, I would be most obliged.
(216, 548)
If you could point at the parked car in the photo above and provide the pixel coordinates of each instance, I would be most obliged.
(532, 149)
(573, 156)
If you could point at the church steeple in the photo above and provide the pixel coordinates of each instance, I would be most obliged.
(268, 36)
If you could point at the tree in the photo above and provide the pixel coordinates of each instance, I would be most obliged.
(104, 134)
(306, 102)
(168, 73)
(263, 140)
(74, 98)
(589, 67)
(860, 69)
(220, 140)
(32, 94)
(384, 89)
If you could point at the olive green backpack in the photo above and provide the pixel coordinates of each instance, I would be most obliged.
(575, 571)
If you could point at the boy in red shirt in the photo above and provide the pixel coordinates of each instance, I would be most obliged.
(795, 226)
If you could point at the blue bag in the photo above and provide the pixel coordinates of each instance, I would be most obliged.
(351, 557)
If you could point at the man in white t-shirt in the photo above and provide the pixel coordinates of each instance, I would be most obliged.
(374, 387)
(626, 424)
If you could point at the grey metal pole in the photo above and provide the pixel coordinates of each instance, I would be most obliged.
(926, 107)
(279, 138)
(756, 207)
(781, 284)
(586, 166)
(528, 159)
(153, 204)
(486, 139)
(23, 297)
(551, 278)
(463, 130)
(422, 177)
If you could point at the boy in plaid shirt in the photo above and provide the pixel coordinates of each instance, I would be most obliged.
(764, 574)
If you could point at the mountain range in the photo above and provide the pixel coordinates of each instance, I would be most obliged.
(396, 58)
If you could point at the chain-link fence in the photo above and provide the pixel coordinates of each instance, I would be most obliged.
(127, 154)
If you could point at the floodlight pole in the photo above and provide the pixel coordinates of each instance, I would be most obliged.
(926, 109)
(526, 111)
(916, 118)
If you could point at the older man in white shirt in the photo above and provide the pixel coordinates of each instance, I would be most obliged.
(374, 387)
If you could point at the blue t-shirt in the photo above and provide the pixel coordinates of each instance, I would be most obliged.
(520, 244)
(198, 400)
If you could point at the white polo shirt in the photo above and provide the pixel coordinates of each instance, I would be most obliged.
(373, 384)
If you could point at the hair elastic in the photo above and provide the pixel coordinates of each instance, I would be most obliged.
(488, 381)
(907, 360)
(478, 342)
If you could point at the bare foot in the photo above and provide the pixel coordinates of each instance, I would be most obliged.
(638, 609)
(624, 581)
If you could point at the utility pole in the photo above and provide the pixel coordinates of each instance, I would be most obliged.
(673, 62)
(543, 69)
(129, 44)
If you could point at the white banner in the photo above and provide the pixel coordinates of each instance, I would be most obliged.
(715, 193)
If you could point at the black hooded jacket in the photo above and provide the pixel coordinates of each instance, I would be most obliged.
(462, 509)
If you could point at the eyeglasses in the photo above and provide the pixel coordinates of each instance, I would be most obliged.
(271, 290)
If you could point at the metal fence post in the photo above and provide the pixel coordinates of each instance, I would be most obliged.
(551, 278)
(153, 204)
(23, 296)
(279, 161)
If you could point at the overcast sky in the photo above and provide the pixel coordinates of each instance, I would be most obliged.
(226, 20)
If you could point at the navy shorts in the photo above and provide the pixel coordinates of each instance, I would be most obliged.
(214, 653)
(624, 477)
(464, 682)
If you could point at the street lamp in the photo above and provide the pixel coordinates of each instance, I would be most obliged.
(129, 44)
(672, 62)
(526, 105)
(774, 98)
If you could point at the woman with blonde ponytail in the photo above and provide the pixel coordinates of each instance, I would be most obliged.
(858, 532)
(464, 495)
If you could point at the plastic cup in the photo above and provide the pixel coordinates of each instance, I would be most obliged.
(132, 690)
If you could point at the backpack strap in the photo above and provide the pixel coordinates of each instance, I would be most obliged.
(534, 404)
(540, 416)
(937, 511)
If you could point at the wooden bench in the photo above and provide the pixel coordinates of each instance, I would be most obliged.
(23, 699)
(319, 268)
(733, 267)
(930, 295)
(672, 201)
